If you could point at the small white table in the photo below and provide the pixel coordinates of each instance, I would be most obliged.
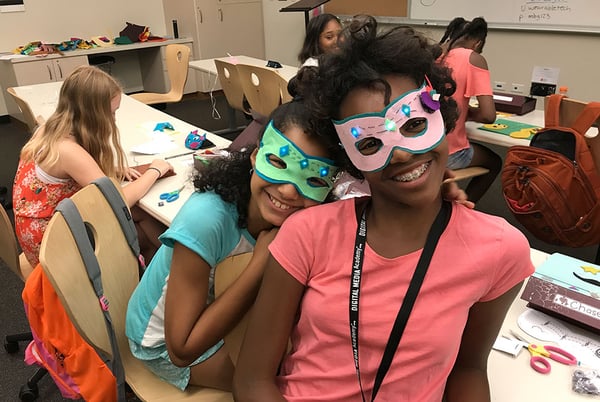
(208, 65)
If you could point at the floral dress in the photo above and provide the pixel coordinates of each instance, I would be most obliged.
(34, 201)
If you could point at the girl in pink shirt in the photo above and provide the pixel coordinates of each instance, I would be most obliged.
(340, 276)
(463, 43)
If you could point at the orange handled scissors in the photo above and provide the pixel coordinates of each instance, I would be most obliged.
(541, 353)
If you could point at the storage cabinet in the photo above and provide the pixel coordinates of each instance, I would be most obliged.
(218, 27)
(29, 71)
(41, 71)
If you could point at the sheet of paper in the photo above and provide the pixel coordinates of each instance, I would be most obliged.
(153, 147)
(545, 75)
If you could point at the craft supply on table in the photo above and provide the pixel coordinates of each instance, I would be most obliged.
(511, 128)
(542, 354)
(542, 327)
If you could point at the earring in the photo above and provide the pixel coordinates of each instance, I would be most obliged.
(251, 171)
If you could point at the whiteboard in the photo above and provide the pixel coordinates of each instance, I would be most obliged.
(567, 15)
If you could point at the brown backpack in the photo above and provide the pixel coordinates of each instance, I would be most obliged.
(552, 186)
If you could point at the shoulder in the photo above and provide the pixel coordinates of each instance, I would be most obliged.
(204, 217)
(324, 214)
(477, 60)
(206, 207)
(485, 227)
(69, 149)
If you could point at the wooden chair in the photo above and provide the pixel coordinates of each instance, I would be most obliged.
(225, 274)
(178, 57)
(30, 120)
(262, 87)
(283, 86)
(63, 265)
(9, 251)
(234, 94)
(467, 173)
(231, 85)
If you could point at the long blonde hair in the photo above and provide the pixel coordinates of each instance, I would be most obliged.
(83, 111)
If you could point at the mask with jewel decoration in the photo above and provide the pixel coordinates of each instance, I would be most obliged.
(280, 161)
(412, 122)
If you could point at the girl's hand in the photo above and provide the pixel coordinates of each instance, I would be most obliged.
(451, 191)
(131, 174)
(261, 250)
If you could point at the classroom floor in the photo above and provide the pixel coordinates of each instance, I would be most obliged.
(199, 111)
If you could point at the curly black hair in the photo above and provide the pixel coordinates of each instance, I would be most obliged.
(229, 177)
(366, 57)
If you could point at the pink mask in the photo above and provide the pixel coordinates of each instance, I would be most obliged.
(384, 127)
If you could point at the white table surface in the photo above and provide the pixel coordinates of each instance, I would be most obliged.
(208, 65)
(136, 122)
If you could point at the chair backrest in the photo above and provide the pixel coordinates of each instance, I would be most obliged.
(231, 84)
(569, 110)
(64, 268)
(262, 88)
(225, 274)
(28, 116)
(178, 60)
(9, 251)
(283, 86)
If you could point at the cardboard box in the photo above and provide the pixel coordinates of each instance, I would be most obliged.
(564, 287)
(511, 103)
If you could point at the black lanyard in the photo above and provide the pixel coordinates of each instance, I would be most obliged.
(440, 223)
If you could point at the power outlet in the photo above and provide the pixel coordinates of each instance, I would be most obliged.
(517, 88)
(499, 85)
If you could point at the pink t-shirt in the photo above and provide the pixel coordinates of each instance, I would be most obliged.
(470, 81)
(478, 258)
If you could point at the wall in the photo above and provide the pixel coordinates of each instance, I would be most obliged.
(511, 56)
(58, 20)
(284, 32)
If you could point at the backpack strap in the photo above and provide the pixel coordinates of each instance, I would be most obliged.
(587, 117)
(75, 222)
(552, 113)
(121, 211)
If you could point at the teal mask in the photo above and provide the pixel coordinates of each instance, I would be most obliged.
(279, 161)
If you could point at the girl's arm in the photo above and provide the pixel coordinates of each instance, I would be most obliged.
(192, 327)
(77, 163)
(468, 381)
(486, 110)
(266, 339)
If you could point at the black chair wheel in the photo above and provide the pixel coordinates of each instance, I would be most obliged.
(28, 393)
(11, 347)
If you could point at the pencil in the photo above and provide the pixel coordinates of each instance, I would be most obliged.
(178, 155)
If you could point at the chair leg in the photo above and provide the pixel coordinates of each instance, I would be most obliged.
(6, 204)
(29, 392)
(11, 342)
